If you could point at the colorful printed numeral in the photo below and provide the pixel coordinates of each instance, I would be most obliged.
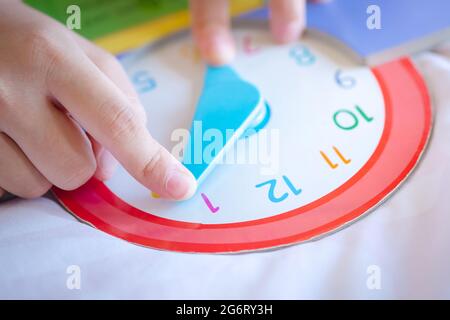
(210, 206)
(155, 195)
(143, 82)
(302, 55)
(272, 186)
(339, 115)
(248, 45)
(344, 81)
(331, 163)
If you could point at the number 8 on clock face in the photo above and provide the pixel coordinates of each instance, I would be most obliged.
(341, 137)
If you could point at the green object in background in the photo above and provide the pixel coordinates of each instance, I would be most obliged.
(102, 17)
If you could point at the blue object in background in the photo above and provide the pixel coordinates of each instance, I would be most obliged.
(407, 26)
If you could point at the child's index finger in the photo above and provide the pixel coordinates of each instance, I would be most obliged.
(106, 113)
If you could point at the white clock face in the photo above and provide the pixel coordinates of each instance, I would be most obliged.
(327, 118)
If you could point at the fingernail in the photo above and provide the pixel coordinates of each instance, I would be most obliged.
(287, 32)
(106, 165)
(220, 49)
(180, 185)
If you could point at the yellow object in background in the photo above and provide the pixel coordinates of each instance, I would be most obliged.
(140, 34)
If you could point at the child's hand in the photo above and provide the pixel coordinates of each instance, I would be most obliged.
(211, 26)
(53, 83)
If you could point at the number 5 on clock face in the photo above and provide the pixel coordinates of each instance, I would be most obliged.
(340, 138)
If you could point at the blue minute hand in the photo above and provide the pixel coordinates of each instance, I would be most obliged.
(228, 106)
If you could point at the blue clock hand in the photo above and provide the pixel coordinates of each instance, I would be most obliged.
(227, 107)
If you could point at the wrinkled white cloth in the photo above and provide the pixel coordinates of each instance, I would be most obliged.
(405, 243)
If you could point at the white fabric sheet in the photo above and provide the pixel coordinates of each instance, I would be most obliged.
(407, 239)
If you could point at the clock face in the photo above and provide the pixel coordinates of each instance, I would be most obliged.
(339, 139)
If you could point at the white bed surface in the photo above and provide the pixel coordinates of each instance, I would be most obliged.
(407, 238)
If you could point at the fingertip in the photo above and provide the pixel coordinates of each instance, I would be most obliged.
(211, 30)
(286, 32)
(106, 165)
(287, 19)
(216, 46)
(180, 184)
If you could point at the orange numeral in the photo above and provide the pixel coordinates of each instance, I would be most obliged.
(331, 163)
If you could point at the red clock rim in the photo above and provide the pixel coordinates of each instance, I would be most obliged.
(95, 204)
